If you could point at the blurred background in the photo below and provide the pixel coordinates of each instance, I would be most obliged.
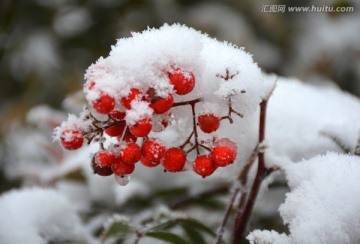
(46, 46)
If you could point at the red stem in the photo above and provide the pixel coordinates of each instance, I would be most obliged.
(195, 129)
(243, 213)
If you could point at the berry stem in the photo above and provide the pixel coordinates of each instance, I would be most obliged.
(205, 147)
(195, 128)
(188, 140)
(191, 102)
(231, 111)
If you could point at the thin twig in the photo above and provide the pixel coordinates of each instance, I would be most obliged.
(227, 214)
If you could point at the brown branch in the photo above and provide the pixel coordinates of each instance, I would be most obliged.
(191, 102)
(243, 180)
(243, 213)
(227, 215)
(187, 140)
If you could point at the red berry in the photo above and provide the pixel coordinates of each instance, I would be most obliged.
(117, 115)
(153, 149)
(130, 153)
(103, 171)
(174, 160)
(183, 81)
(223, 156)
(104, 158)
(121, 168)
(134, 94)
(208, 123)
(141, 128)
(149, 163)
(159, 104)
(104, 104)
(115, 130)
(204, 166)
(71, 139)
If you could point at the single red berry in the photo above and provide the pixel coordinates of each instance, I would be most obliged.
(71, 139)
(159, 104)
(204, 166)
(153, 149)
(223, 156)
(208, 123)
(104, 104)
(174, 160)
(130, 153)
(121, 168)
(104, 158)
(141, 128)
(117, 115)
(183, 81)
(103, 171)
(115, 130)
(134, 94)
(149, 163)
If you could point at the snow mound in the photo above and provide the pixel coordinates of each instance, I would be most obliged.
(36, 216)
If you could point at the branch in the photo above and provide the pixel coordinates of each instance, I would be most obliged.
(243, 179)
(243, 212)
(191, 102)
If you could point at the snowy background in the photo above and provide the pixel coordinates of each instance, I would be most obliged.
(313, 122)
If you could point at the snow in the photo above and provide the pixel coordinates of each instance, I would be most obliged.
(299, 114)
(267, 237)
(73, 123)
(36, 216)
(210, 108)
(323, 205)
(143, 60)
(139, 110)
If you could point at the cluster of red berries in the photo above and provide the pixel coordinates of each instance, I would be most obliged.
(121, 158)
(222, 154)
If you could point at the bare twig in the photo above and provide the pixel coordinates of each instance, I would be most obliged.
(243, 179)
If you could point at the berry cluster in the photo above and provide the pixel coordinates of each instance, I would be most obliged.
(133, 141)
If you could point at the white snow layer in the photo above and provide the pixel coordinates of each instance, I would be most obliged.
(144, 60)
(36, 216)
(323, 205)
(301, 118)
